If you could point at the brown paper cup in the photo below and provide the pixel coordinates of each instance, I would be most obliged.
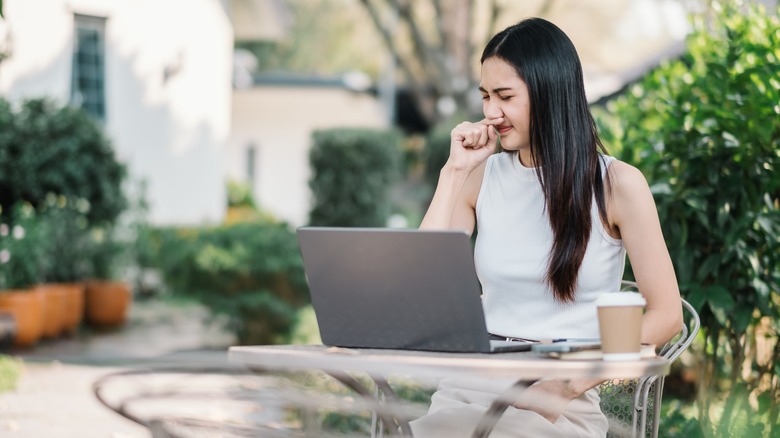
(620, 324)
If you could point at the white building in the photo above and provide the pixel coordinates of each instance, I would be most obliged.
(273, 118)
(158, 73)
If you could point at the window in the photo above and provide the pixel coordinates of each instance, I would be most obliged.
(88, 72)
(251, 157)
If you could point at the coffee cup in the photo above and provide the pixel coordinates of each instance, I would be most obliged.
(620, 324)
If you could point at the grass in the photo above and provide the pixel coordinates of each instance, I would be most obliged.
(10, 371)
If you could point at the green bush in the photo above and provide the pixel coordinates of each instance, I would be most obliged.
(106, 254)
(252, 272)
(21, 254)
(705, 130)
(47, 149)
(65, 231)
(353, 172)
(436, 152)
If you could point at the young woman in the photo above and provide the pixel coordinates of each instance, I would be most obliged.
(555, 218)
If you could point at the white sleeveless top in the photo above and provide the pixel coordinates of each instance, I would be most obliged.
(512, 248)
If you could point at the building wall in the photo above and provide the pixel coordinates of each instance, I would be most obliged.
(168, 89)
(279, 121)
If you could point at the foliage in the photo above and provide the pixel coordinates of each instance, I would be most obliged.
(323, 37)
(306, 330)
(437, 151)
(142, 249)
(240, 195)
(65, 239)
(704, 130)
(21, 252)
(676, 424)
(10, 370)
(105, 251)
(47, 149)
(437, 44)
(353, 171)
(251, 272)
(242, 206)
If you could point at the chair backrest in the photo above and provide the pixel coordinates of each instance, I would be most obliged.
(627, 402)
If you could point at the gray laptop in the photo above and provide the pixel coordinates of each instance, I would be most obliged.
(397, 288)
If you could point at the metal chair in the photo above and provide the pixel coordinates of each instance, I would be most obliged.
(234, 402)
(627, 402)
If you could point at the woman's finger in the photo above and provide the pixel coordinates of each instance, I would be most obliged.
(492, 134)
(492, 122)
(468, 138)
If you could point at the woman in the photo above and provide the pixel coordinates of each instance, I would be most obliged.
(555, 219)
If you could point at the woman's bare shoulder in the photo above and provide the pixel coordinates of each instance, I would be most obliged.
(625, 178)
(629, 196)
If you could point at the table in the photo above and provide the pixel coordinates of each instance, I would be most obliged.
(380, 363)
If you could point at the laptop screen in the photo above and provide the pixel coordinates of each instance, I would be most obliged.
(394, 288)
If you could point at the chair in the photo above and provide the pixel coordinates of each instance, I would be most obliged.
(627, 402)
(192, 401)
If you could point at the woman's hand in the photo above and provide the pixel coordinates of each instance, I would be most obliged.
(472, 143)
(549, 397)
(452, 206)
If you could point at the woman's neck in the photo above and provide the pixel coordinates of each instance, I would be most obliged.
(526, 160)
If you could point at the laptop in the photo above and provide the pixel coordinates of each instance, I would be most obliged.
(397, 288)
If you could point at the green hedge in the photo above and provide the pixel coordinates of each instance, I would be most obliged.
(353, 171)
(251, 272)
(437, 152)
(47, 148)
(705, 129)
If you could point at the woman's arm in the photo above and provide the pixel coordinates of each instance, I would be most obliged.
(634, 218)
(450, 207)
(633, 213)
(453, 203)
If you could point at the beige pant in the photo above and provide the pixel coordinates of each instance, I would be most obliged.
(458, 405)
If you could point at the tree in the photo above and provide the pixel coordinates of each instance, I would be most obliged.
(704, 130)
(435, 44)
(323, 37)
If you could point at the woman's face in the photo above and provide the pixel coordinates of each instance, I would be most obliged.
(505, 95)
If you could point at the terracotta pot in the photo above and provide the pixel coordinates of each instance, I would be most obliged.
(74, 307)
(54, 309)
(107, 303)
(26, 305)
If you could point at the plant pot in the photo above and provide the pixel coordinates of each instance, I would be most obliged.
(107, 303)
(54, 309)
(26, 305)
(74, 307)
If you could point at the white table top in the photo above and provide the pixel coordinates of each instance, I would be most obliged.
(525, 365)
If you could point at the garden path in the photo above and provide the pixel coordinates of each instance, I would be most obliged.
(54, 396)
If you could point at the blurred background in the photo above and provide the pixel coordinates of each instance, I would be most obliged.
(173, 146)
(196, 94)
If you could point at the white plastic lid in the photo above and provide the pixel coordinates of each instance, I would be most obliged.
(620, 299)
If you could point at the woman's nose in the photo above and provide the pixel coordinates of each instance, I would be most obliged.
(491, 109)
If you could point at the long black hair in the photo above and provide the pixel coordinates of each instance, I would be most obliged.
(565, 145)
